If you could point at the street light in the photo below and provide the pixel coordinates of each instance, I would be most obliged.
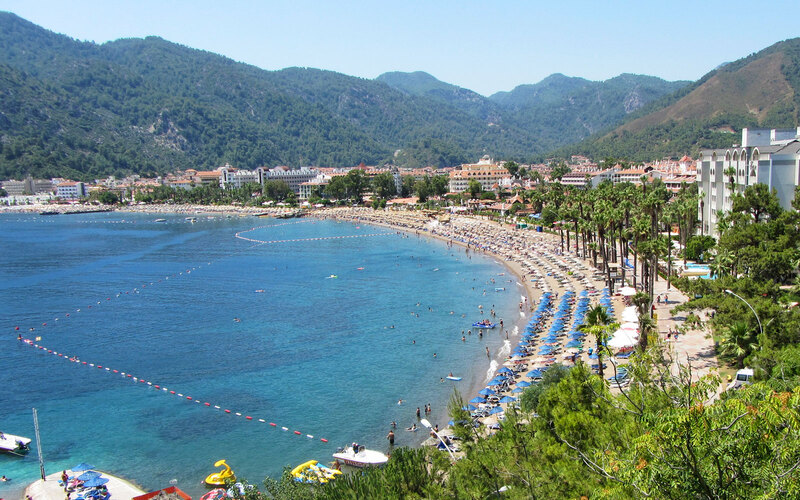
(427, 424)
(760, 328)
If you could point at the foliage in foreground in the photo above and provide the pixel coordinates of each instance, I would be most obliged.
(660, 438)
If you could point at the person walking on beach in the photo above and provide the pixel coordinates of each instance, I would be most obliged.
(390, 437)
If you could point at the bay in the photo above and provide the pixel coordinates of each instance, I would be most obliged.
(180, 305)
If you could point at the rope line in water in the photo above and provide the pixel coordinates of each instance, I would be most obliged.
(162, 389)
(239, 235)
(139, 289)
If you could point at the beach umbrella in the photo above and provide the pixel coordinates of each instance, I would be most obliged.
(496, 410)
(505, 370)
(90, 474)
(523, 384)
(82, 467)
(477, 400)
(593, 356)
(508, 399)
(535, 374)
(486, 392)
(494, 382)
(574, 343)
(95, 481)
(518, 390)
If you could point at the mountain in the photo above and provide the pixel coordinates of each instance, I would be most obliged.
(562, 109)
(149, 105)
(760, 90)
(420, 83)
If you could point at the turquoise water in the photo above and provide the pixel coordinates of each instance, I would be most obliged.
(312, 353)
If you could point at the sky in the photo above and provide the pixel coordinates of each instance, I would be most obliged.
(486, 46)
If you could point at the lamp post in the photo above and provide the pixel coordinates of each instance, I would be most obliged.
(760, 328)
(427, 424)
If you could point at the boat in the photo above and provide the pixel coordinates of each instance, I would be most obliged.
(49, 212)
(451, 377)
(312, 472)
(358, 456)
(218, 478)
(161, 220)
(191, 219)
(482, 324)
(15, 445)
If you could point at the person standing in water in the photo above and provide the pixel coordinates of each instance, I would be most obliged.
(390, 437)
(487, 352)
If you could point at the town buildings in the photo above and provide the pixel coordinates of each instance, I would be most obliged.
(767, 156)
(486, 172)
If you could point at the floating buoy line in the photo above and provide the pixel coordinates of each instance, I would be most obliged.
(321, 238)
(35, 342)
(161, 389)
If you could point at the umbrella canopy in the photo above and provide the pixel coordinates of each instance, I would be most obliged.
(90, 474)
(82, 467)
(535, 374)
(494, 382)
(95, 481)
(523, 384)
(508, 399)
(486, 392)
(496, 410)
(477, 400)
(505, 370)
(518, 390)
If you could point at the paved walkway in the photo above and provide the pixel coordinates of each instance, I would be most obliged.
(694, 348)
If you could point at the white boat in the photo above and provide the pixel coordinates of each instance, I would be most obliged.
(14, 444)
(161, 220)
(362, 458)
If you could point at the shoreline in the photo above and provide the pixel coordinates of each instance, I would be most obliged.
(511, 256)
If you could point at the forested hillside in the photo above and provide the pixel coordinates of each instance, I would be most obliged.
(84, 110)
(760, 90)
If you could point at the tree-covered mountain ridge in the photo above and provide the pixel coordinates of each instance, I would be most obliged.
(760, 90)
(83, 110)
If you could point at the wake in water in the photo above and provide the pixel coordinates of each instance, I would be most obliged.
(515, 331)
(492, 368)
(506, 349)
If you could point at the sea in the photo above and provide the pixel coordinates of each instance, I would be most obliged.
(161, 347)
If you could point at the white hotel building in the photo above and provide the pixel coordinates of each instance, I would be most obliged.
(770, 157)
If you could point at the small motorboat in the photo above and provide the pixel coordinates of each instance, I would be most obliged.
(358, 456)
(484, 324)
(161, 220)
(216, 479)
(313, 472)
(451, 377)
(16, 445)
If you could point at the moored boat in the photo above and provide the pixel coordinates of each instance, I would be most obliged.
(14, 444)
(358, 456)
(484, 324)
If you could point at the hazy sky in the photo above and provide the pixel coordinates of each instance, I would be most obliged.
(486, 46)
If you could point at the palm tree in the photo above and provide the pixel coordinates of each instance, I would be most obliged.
(643, 302)
(738, 341)
(598, 323)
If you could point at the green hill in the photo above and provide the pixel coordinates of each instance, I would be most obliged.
(760, 90)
